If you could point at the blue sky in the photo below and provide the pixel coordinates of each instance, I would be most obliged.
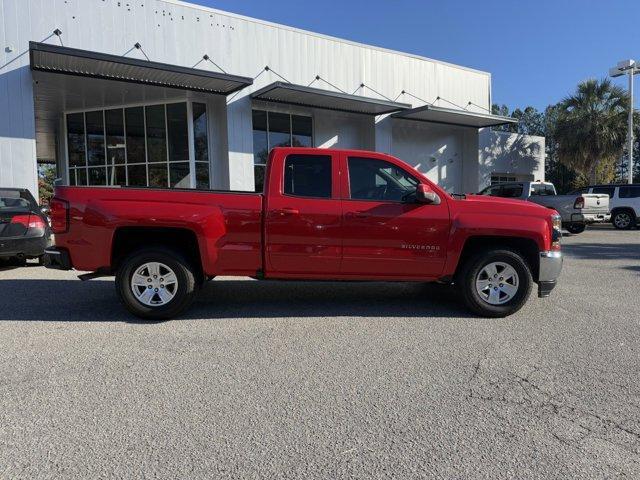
(536, 50)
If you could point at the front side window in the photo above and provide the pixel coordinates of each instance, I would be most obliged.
(274, 129)
(139, 146)
(308, 176)
(379, 180)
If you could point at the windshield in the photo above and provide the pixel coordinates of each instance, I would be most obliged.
(13, 201)
(542, 189)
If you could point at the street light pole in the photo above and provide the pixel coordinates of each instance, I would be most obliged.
(628, 67)
(630, 132)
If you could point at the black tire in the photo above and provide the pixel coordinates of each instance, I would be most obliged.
(576, 228)
(623, 220)
(184, 293)
(466, 280)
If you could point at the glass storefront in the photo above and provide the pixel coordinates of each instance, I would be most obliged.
(274, 129)
(140, 146)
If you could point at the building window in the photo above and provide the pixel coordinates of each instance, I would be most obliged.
(274, 129)
(499, 178)
(139, 146)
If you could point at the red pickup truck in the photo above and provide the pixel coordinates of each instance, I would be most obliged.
(324, 215)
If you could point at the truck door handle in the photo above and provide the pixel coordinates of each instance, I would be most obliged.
(289, 211)
(358, 214)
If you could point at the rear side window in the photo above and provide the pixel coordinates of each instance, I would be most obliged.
(608, 190)
(542, 189)
(15, 201)
(631, 191)
(308, 176)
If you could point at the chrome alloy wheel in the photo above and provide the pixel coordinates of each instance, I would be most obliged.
(497, 283)
(154, 284)
(622, 220)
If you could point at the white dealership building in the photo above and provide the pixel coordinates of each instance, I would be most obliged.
(169, 94)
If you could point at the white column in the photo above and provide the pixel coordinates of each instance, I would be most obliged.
(383, 133)
(240, 140)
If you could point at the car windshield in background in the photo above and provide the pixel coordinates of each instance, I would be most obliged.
(504, 190)
(13, 201)
(604, 190)
(542, 189)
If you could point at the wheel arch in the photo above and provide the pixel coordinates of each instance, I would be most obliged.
(182, 240)
(526, 247)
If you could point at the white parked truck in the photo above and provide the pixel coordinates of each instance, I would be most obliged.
(576, 210)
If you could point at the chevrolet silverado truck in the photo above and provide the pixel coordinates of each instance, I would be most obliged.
(324, 215)
(576, 211)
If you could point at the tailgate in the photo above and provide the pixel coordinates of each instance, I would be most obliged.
(595, 203)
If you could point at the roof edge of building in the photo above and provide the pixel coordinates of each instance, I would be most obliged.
(321, 35)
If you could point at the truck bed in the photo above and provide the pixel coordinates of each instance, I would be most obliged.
(227, 225)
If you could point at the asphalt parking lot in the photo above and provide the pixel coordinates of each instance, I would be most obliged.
(328, 380)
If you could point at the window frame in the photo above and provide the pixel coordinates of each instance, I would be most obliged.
(72, 170)
(347, 195)
(332, 166)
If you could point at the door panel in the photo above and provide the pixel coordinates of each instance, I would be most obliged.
(388, 238)
(304, 218)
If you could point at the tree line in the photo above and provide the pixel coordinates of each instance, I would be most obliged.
(586, 134)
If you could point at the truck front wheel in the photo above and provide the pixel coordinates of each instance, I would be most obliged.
(155, 283)
(495, 283)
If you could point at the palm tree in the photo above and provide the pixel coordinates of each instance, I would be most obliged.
(591, 127)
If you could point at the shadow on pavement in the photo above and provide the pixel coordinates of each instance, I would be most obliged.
(96, 301)
(603, 251)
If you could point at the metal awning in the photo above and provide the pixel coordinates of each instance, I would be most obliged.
(450, 116)
(292, 94)
(84, 63)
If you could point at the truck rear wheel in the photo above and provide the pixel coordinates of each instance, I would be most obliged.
(155, 283)
(495, 283)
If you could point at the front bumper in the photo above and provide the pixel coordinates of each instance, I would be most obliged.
(549, 271)
(57, 258)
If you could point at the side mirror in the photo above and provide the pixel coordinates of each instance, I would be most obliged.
(425, 195)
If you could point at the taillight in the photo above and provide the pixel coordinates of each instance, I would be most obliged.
(28, 221)
(579, 203)
(59, 215)
(21, 220)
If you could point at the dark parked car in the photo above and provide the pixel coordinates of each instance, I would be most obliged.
(24, 228)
